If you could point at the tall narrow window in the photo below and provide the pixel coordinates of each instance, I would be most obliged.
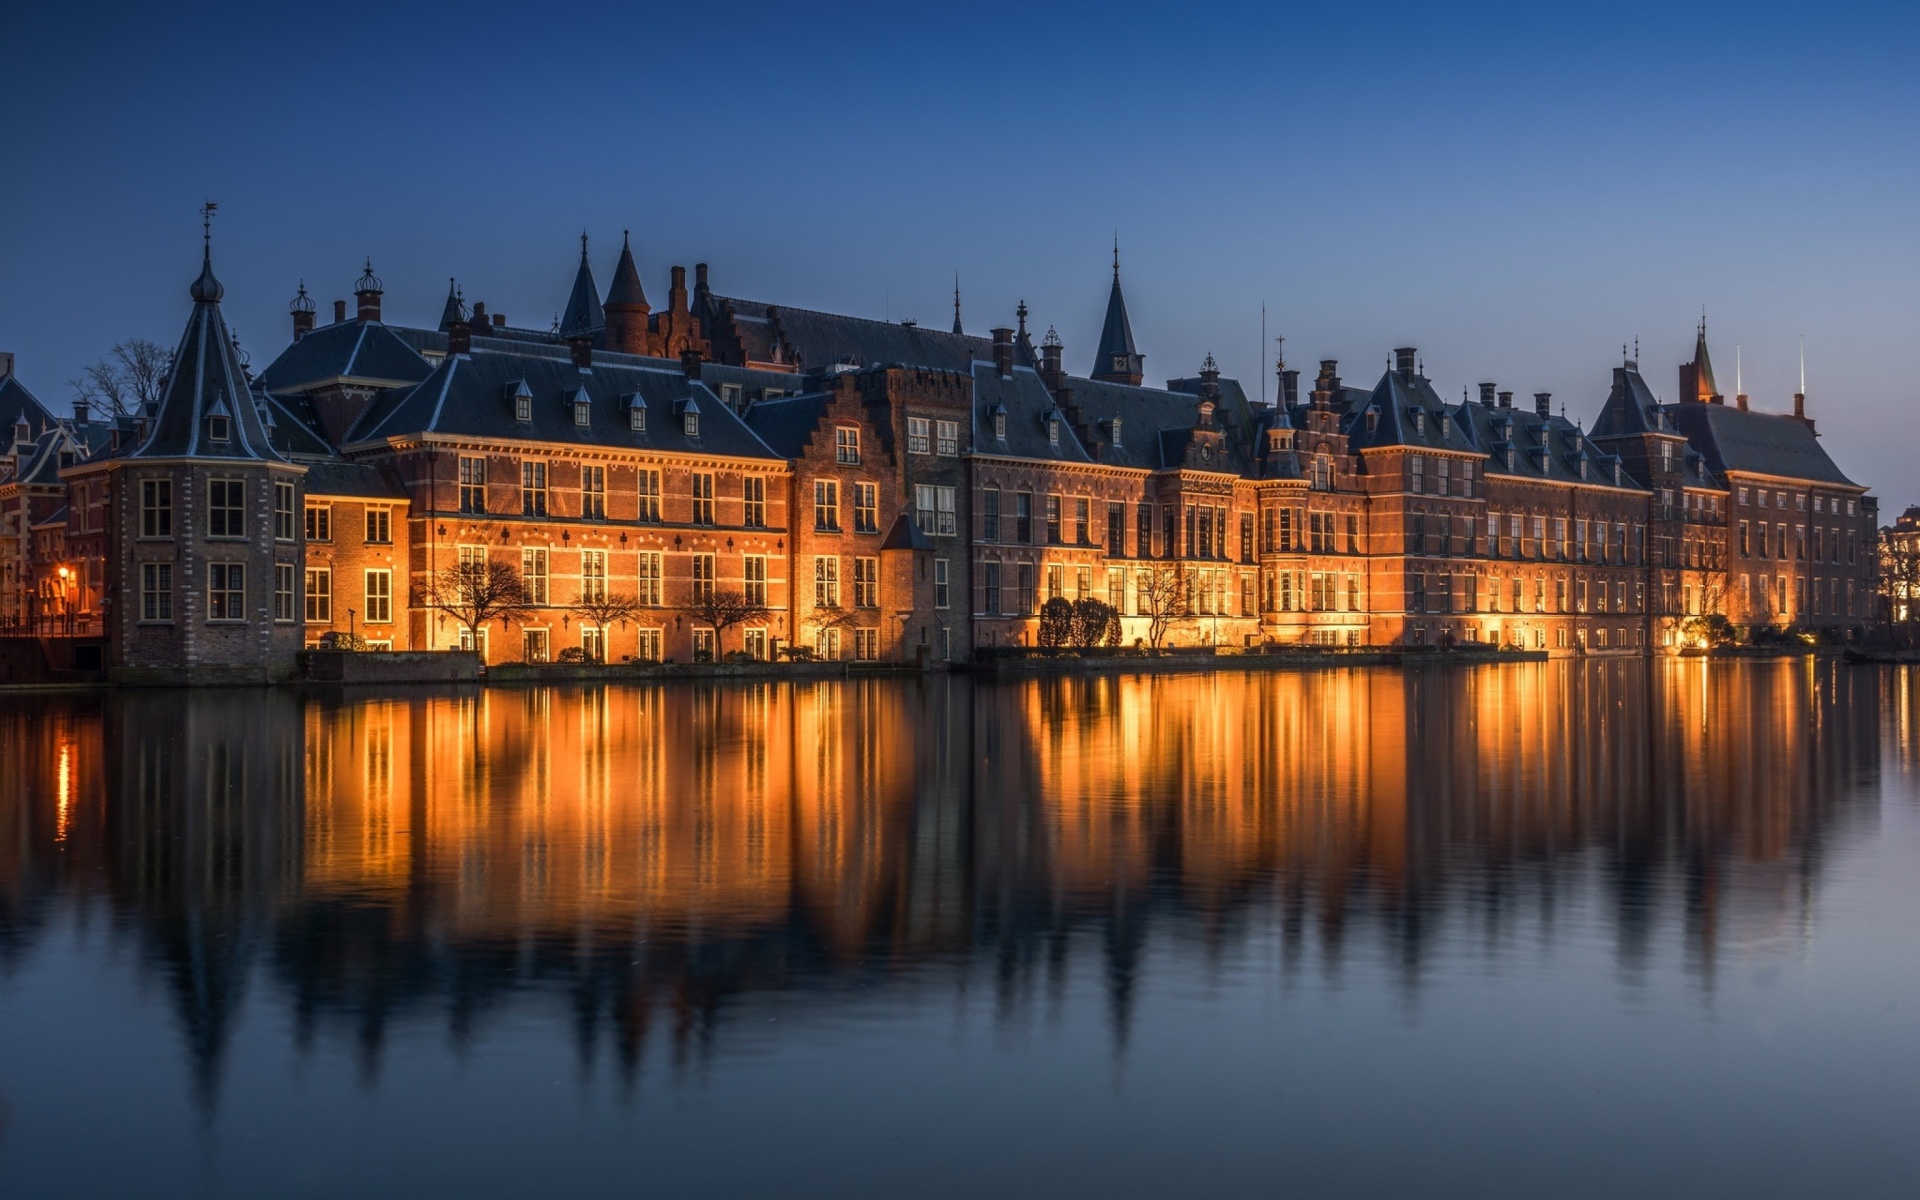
(648, 591)
(284, 528)
(156, 510)
(320, 595)
(647, 482)
(754, 578)
(533, 574)
(753, 493)
(593, 576)
(703, 578)
(286, 588)
(227, 508)
(942, 594)
(319, 522)
(1082, 521)
(826, 505)
(1053, 519)
(866, 508)
(1117, 530)
(226, 592)
(917, 436)
(593, 493)
(947, 523)
(990, 514)
(156, 591)
(473, 485)
(866, 583)
(948, 437)
(846, 445)
(826, 581)
(379, 597)
(1023, 517)
(533, 489)
(379, 526)
(702, 498)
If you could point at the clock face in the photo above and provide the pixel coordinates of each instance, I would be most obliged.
(1119, 362)
(1206, 454)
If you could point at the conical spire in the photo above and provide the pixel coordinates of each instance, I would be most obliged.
(626, 291)
(584, 315)
(456, 309)
(1117, 361)
(1704, 386)
(957, 328)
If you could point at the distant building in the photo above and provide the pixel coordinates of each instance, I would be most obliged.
(879, 490)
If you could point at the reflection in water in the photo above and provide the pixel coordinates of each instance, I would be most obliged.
(650, 853)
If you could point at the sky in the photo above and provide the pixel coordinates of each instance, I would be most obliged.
(1516, 190)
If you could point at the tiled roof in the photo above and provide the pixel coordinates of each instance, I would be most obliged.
(364, 350)
(1556, 457)
(1409, 413)
(818, 340)
(1736, 439)
(1027, 404)
(787, 424)
(354, 479)
(1156, 425)
(473, 395)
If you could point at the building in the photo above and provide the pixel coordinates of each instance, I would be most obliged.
(852, 488)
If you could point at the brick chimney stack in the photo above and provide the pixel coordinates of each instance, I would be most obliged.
(459, 337)
(1051, 372)
(367, 290)
(1003, 351)
(582, 349)
(302, 311)
(690, 359)
(1486, 395)
(1543, 404)
(1506, 399)
(1403, 360)
(339, 312)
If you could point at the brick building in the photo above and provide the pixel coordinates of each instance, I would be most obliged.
(881, 490)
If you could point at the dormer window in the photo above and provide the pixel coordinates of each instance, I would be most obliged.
(582, 412)
(220, 429)
(1115, 432)
(522, 402)
(1583, 468)
(1446, 427)
(690, 422)
(637, 416)
(1420, 422)
(1000, 424)
(1053, 431)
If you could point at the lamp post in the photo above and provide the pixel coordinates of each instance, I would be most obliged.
(66, 600)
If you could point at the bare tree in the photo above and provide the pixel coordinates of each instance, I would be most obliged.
(477, 593)
(1162, 590)
(603, 609)
(127, 380)
(1898, 582)
(722, 610)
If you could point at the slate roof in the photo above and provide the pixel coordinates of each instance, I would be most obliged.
(296, 427)
(1735, 439)
(362, 350)
(472, 395)
(52, 450)
(1027, 404)
(787, 424)
(207, 380)
(16, 401)
(1116, 332)
(1631, 407)
(1556, 457)
(1408, 414)
(1156, 425)
(583, 314)
(905, 535)
(816, 340)
(626, 288)
(361, 480)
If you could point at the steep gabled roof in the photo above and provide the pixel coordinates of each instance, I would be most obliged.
(16, 402)
(1631, 407)
(1520, 443)
(1116, 331)
(207, 380)
(1736, 439)
(818, 340)
(1408, 413)
(1026, 403)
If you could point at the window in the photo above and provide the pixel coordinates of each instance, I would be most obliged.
(533, 489)
(593, 643)
(1000, 424)
(283, 500)
(754, 578)
(593, 493)
(379, 597)
(866, 644)
(1082, 521)
(1117, 530)
(754, 642)
(846, 445)
(1023, 517)
(649, 579)
(990, 585)
(702, 498)
(637, 416)
(380, 526)
(947, 522)
(702, 578)
(649, 647)
(1143, 531)
(690, 425)
(582, 410)
(990, 514)
(156, 509)
(593, 575)
(866, 508)
(648, 484)
(285, 580)
(826, 581)
(948, 437)
(156, 591)
(523, 404)
(1053, 429)
(320, 595)
(226, 592)
(730, 395)
(1083, 583)
(1746, 540)
(1417, 480)
(533, 646)
(826, 505)
(826, 644)
(1117, 589)
(533, 574)
(753, 494)
(942, 594)
(866, 583)
(227, 508)
(1055, 587)
(918, 441)
(473, 485)
(1053, 520)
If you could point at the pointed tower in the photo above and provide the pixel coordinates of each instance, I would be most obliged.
(1116, 361)
(627, 307)
(455, 310)
(957, 327)
(584, 316)
(1696, 377)
(205, 584)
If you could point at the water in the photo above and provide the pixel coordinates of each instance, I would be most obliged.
(1545, 929)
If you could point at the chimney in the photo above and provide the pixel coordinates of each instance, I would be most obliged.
(499, 320)
(1506, 399)
(1543, 403)
(1003, 352)
(367, 291)
(1800, 405)
(582, 348)
(459, 337)
(1289, 387)
(677, 291)
(339, 311)
(1486, 395)
(690, 360)
(6, 363)
(1740, 398)
(700, 281)
(479, 319)
(1050, 370)
(302, 310)
(1403, 359)
(80, 411)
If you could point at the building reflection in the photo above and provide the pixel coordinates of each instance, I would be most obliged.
(655, 856)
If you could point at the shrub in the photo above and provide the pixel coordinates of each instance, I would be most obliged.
(572, 654)
(1056, 623)
(1094, 623)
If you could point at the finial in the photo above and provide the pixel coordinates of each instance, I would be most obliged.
(626, 242)
(1052, 338)
(1209, 365)
(368, 281)
(583, 247)
(1020, 315)
(302, 303)
(1281, 364)
(1116, 256)
(1803, 364)
(207, 210)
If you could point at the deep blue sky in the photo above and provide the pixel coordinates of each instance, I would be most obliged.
(1516, 190)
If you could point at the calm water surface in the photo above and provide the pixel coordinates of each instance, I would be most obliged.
(1541, 930)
